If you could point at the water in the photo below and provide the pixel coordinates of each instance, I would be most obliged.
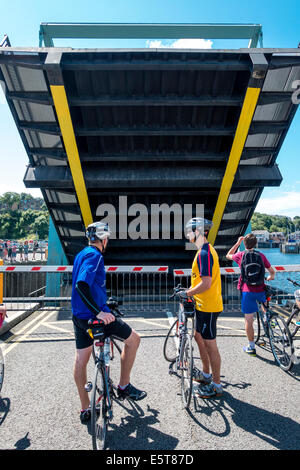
(276, 258)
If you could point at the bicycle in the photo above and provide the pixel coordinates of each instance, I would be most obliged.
(2, 361)
(178, 348)
(102, 388)
(276, 331)
(295, 313)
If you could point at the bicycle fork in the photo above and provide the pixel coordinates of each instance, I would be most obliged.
(106, 394)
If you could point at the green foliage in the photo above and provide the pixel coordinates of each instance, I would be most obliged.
(21, 224)
(274, 223)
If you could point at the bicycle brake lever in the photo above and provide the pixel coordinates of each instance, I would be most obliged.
(120, 314)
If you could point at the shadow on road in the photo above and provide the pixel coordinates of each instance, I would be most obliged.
(134, 432)
(23, 443)
(4, 409)
(275, 429)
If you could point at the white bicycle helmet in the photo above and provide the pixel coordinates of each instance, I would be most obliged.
(199, 223)
(97, 231)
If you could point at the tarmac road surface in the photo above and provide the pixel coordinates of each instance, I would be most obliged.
(39, 407)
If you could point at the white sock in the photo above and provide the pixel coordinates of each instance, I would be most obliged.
(207, 376)
(216, 385)
(123, 386)
(252, 344)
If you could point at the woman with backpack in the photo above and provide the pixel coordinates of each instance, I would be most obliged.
(251, 282)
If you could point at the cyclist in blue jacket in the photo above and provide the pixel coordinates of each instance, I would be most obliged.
(89, 302)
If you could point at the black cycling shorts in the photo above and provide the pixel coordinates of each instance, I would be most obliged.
(119, 329)
(206, 324)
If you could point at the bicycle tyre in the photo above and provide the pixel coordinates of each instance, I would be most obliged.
(171, 343)
(281, 343)
(186, 365)
(256, 327)
(2, 368)
(290, 321)
(98, 410)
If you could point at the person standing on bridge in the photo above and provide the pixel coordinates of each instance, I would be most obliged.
(252, 291)
(206, 290)
(89, 302)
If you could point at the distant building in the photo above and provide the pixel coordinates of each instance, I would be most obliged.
(23, 205)
(33, 204)
(278, 237)
(261, 235)
(295, 236)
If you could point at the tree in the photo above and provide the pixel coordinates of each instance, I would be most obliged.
(26, 222)
(41, 224)
(10, 200)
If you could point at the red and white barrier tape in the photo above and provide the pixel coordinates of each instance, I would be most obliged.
(135, 269)
(66, 269)
(235, 270)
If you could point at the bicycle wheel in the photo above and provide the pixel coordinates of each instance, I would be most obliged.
(98, 410)
(186, 365)
(171, 343)
(256, 327)
(281, 342)
(294, 316)
(2, 367)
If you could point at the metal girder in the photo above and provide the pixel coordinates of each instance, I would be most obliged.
(248, 154)
(255, 84)
(60, 177)
(257, 127)
(92, 101)
(49, 31)
(66, 130)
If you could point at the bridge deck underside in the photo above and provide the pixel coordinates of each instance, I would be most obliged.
(153, 127)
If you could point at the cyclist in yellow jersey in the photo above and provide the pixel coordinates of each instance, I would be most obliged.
(206, 290)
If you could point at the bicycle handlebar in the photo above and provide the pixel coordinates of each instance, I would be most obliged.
(177, 290)
(113, 305)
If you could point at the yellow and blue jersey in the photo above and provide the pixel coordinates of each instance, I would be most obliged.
(206, 263)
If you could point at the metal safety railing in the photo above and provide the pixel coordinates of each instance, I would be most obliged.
(282, 289)
(140, 288)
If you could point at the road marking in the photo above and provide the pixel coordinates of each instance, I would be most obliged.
(151, 323)
(55, 327)
(21, 338)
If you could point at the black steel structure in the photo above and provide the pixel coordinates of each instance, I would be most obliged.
(158, 126)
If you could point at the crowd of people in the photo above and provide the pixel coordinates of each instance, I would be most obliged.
(10, 249)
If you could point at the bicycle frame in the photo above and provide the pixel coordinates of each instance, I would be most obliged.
(183, 331)
(278, 335)
(100, 363)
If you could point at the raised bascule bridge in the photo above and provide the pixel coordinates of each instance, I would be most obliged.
(152, 127)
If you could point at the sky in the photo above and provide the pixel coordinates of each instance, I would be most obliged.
(281, 28)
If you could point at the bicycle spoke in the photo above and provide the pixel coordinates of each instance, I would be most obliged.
(187, 371)
(98, 411)
(291, 322)
(281, 343)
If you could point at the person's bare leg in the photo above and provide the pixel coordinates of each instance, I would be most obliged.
(249, 317)
(203, 352)
(82, 357)
(214, 359)
(128, 357)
